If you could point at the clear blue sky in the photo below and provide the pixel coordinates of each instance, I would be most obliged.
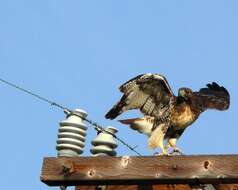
(78, 52)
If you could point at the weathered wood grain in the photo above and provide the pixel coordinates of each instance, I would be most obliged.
(200, 169)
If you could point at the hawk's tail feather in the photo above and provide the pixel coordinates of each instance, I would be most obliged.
(141, 125)
(128, 121)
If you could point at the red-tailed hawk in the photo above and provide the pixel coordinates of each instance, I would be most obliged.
(166, 116)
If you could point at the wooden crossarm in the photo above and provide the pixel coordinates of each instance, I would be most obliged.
(197, 169)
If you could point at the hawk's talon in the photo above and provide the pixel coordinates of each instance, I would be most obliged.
(160, 154)
(176, 151)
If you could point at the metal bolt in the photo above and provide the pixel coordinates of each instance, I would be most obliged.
(221, 176)
(67, 168)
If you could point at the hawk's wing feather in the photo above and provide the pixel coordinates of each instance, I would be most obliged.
(146, 79)
(212, 97)
(149, 92)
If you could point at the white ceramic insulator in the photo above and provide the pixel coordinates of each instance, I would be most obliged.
(72, 133)
(104, 143)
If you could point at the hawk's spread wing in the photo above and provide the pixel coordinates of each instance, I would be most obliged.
(149, 92)
(212, 97)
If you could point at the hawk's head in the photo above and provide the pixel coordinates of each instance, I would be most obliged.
(186, 93)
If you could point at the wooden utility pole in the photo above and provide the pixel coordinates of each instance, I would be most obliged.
(143, 171)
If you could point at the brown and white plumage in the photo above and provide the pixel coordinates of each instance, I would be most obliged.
(150, 93)
(166, 116)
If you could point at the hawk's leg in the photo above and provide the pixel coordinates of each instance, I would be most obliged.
(163, 150)
(156, 140)
(172, 144)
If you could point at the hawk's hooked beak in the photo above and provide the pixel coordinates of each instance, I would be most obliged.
(185, 92)
(182, 92)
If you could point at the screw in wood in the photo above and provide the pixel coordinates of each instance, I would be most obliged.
(206, 164)
(91, 173)
(125, 161)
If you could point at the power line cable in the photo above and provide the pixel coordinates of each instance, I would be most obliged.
(96, 126)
